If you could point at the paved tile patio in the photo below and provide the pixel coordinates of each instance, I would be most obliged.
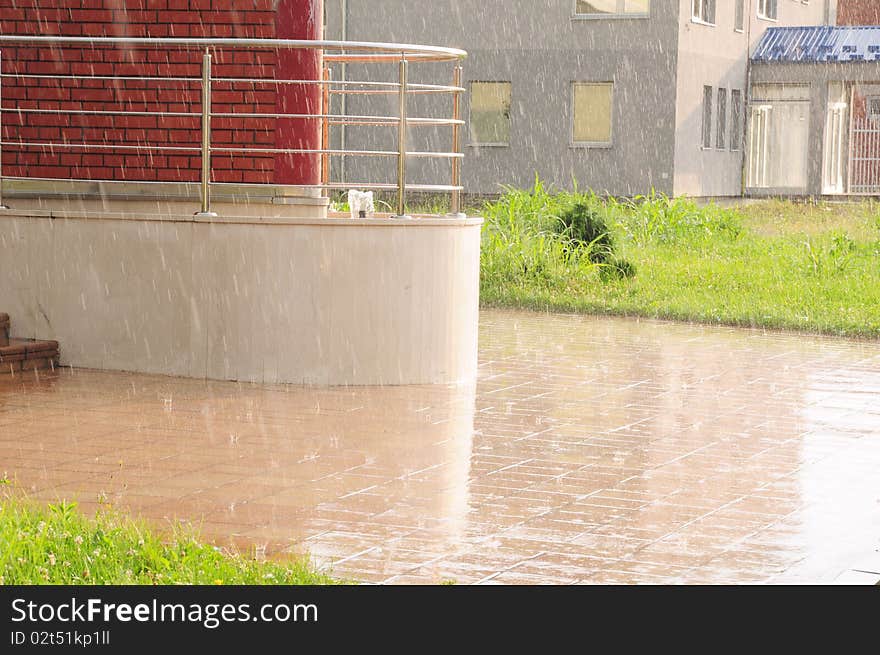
(591, 450)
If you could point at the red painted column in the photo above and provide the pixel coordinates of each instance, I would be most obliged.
(298, 19)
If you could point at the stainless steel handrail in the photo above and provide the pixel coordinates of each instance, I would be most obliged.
(401, 137)
(350, 119)
(330, 51)
(392, 86)
(437, 53)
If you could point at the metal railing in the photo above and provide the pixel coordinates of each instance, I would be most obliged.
(331, 53)
(864, 156)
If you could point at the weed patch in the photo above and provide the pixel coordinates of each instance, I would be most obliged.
(773, 264)
(56, 544)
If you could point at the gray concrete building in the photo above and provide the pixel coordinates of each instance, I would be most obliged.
(620, 96)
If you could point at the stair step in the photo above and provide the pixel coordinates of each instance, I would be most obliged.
(27, 355)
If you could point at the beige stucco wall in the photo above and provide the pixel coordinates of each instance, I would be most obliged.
(718, 56)
(298, 300)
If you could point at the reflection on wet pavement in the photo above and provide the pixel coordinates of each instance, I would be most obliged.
(592, 450)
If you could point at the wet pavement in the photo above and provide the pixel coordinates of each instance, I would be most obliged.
(592, 450)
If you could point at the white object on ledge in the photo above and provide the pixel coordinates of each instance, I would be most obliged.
(361, 203)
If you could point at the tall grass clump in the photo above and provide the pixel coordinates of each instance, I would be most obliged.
(831, 255)
(524, 245)
(657, 217)
(552, 242)
(57, 544)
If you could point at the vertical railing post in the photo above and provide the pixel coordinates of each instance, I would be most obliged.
(852, 143)
(325, 128)
(2, 206)
(206, 136)
(401, 139)
(455, 204)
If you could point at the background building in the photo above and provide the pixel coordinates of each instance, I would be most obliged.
(620, 96)
(814, 112)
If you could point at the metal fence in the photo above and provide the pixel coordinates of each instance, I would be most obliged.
(399, 56)
(864, 165)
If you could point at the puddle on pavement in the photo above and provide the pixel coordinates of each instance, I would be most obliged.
(595, 450)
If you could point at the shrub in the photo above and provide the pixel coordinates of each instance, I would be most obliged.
(556, 241)
(589, 229)
(523, 245)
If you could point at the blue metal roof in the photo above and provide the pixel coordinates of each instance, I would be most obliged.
(819, 44)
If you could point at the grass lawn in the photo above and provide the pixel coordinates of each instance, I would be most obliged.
(773, 264)
(57, 544)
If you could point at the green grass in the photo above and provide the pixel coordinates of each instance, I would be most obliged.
(57, 544)
(772, 264)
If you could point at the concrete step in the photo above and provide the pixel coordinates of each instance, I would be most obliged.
(21, 355)
(4, 330)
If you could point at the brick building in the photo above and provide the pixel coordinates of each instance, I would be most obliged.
(44, 81)
(858, 12)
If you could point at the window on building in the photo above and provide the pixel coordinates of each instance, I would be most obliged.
(739, 18)
(736, 121)
(721, 114)
(592, 113)
(490, 113)
(599, 8)
(707, 116)
(704, 11)
(767, 9)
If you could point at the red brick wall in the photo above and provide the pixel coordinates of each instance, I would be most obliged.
(138, 18)
(858, 12)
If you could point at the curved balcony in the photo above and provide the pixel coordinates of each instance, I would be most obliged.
(166, 210)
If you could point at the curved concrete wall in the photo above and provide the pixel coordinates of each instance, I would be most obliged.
(272, 300)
